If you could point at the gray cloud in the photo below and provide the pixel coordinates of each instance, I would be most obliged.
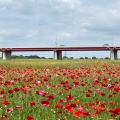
(72, 22)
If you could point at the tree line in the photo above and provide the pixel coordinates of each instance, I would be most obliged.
(26, 57)
(37, 57)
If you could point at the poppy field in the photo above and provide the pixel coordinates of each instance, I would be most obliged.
(59, 90)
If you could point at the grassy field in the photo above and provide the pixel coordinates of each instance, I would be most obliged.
(59, 90)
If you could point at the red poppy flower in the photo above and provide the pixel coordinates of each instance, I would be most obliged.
(45, 103)
(5, 102)
(59, 112)
(45, 78)
(72, 76)
(76, 113)
(87, 95)
(0, 78)
(64, 82)
(85, 114)
(10, 91)
(98, 91)
(73, 105)
(117, 89)
(91, 104)
(69, 97)
(76, 83)
(112, 102)
(4, 117)
(9, 110)
(29, 118)
(2, 91)
(18, 106)
(80, 109)
(51, 96)
(105, 79)
(102, 104)
(16, 89)
(62, 101)
(33, 103)
(102, 93)
(8, 82)
(56, 106)
(89, 91)
(69, 108)
(41, 92)
(117, 110)
(31, 79)
(109, 95)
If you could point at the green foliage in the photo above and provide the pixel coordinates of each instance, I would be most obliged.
(65, 57)
(107, 58)
(86, 58)
(81, 58)
(26, 57)
(94, 57)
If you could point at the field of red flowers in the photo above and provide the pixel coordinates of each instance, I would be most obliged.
(59, 90)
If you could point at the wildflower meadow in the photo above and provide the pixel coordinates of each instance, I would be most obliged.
(59, 90)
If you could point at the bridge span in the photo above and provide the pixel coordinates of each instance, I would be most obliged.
(6, 52)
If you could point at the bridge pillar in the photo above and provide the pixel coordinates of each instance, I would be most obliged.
(57, 55)
(6, 55)
(113, 55)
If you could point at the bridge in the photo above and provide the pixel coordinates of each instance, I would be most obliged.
(6, 52)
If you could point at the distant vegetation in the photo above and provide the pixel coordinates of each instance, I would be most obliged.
(64, 57)
(26, 57)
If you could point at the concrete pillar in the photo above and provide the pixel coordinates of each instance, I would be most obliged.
(6, 55)
(57, 55)
(113, 55)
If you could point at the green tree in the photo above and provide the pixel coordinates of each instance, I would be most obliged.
(94, 57)
(71, 58)
(107, 58)
(81, 58)
(86, 57)
(65, 57)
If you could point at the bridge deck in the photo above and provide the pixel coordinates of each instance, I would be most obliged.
(61, 49)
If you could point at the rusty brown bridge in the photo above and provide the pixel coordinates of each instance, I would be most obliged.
(6, 52)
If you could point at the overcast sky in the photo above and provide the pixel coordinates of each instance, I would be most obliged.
(49, 23)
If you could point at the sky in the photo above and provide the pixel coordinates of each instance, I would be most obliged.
(51, 23)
